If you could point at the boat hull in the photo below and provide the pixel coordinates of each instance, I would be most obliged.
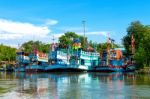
(64, 68)
(108, 69)
(35, 68)
(20, 69)
(127, 68)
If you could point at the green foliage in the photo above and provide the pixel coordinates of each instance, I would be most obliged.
(30, 45)
(137, 30)
(144, 50)
(140, 58)
(100, 47)
(67, 39)
(141, 34)
(7, 53)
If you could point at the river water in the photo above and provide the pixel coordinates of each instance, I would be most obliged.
(74, 86)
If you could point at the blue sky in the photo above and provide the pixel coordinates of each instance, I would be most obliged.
(23, 20)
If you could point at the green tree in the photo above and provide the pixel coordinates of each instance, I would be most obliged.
(103, 46)
(7, 53)
(137, 30)
(67, 39)
(30, 45)
(141, 34)
(142, 54)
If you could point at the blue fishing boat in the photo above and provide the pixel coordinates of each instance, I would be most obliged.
(77, 61)
(72, 59)
(30, 62)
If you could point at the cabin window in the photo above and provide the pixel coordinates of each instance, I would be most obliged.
(82, 61)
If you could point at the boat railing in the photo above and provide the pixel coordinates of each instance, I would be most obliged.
(89, 53)
(78, 53)
(61, 53)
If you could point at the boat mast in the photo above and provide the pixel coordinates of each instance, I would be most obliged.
(53, 44)
(83, 22)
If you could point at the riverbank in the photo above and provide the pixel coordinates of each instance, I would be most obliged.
(7, 66)
(145, 70)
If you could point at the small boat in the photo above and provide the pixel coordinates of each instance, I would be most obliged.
(130, 67)
(115, 63)
(38, 61)
(113, 60)
(22, 59)
(10, 68)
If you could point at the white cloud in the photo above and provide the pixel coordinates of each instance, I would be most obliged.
(58, 35)
(103, 33)
(10, 36)
(13, 32)
(69, 28)
(19, 30)
(51, 22)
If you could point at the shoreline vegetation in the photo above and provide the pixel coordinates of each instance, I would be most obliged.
(140, 32)
(145, 70)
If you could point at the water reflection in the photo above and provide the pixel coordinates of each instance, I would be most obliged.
(53, 86)
(75, 85)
